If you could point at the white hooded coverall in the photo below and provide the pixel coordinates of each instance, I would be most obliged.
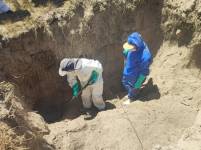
(3, 7)
(92, 93)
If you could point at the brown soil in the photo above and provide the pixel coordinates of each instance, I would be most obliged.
(32, 48)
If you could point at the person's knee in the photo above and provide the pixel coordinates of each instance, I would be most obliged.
(87, 103)
(86, 99)
(86, 93)
(98, 102)
(97, 98)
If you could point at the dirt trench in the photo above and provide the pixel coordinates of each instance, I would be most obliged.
(31, 61)
(98, 30)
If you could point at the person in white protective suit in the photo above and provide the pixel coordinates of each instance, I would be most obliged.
(89, 72)
(3, 7)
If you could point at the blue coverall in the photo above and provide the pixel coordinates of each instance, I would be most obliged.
(137, 63)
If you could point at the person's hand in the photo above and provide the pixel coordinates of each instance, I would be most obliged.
(94, 77)
(76, 89)
(139, 81)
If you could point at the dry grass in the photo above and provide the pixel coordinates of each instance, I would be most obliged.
(39, 16)
(9, 140)
(16, 135)
(42, 16)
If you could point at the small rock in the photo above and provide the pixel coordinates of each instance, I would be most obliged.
(190, 98)
(166, 92)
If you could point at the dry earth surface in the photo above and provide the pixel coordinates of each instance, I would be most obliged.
(34, 113)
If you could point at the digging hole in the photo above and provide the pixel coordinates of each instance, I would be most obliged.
(49, 111)
(33, 64)
(53, 107)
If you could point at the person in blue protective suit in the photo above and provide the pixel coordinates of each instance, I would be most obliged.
(137, 58)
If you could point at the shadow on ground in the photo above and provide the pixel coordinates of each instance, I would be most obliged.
(54, 112)
(149, 92)
(74, 109)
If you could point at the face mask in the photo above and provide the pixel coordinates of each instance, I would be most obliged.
(70, 66)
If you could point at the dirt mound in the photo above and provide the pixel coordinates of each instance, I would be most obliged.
(19, 128)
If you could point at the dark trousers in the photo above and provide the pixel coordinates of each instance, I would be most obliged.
(128, 83)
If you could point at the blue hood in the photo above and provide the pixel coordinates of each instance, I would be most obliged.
(137, 62)
(136, 39)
